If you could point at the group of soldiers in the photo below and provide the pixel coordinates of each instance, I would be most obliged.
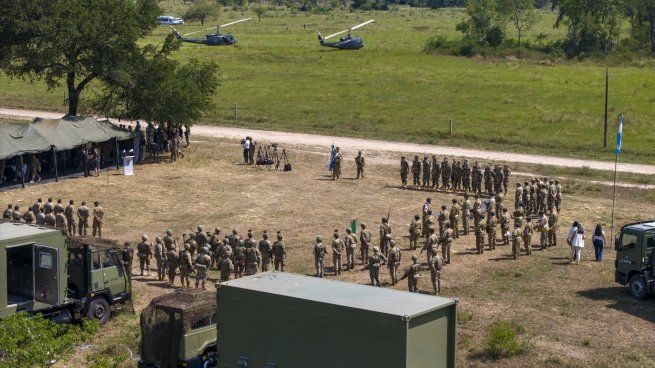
(337, 160)
(200, 251)
(54, 214)
(458, 176)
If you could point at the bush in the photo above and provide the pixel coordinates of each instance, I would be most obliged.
(502, 341)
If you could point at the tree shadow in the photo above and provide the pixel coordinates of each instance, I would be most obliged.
(618, 298)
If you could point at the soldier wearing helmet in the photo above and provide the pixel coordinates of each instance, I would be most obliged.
(364, 243)
(144, 252)
(266, 251)
(202, 264)
(186, 265)
(169, 241)
(412, 274)
(374, 264)
(319, 255)
(160, 258)
(279, 253)
(239, 259)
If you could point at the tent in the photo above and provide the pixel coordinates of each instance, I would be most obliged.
(63, 134)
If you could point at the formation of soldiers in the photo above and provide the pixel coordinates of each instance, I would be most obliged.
(201, 250)
(54, 214)
(456, 176)
(337, 161)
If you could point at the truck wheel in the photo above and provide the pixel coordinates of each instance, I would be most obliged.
(638, 287)
(99, 310)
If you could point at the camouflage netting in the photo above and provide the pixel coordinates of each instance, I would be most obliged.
(80, 241)
(167, 318)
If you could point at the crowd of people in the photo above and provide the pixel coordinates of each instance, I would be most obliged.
(199, 251)
(53, 214)
(151, 143)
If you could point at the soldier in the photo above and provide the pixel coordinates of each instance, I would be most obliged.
(543, 198)
(29, 217)
(279, 253)
(172, 260)
(466, 212)
(69, 212)
(504, 226)
(479, 238)
(526, 198)
(491, 230)
(430, 224)
(319, 256)
(6, 215)
(416, 171)
(446, 242)
(426, 209)
(249, 242)
(350, 243)
(385, 235)
(518, 216)
(169, 241)
(527, 238)
(443, 218)
(412, 274)
(144, 253)
(98, 215)
(499, 204)
(360, 163)
(336, 164)
(435, 274)
(226, 267)
(128, 256)
(58, 207)
(553, 222)
(415, 230)
(477, 207)
(202, 264)
(552, 195)
(456, 175)
(233, 240)
(186, 265)
(160, 258)
(506, 173)
(516, 241)
(542, 227)
(426, 172)
(60, 220)
(266, 251)
(558, 198)
(37, 206)
(239, 259)
(365, 243)
(466, 176)
(49, 218)
(534, 194)
(337, 252)
(394, 261)
(488, 179)
(404, 170)
(16, 215)
(40, 219)
(518, 196)
(498, 179)
(436, 172)
(215, 242)
(48, 206)
(455, 213)
(476, 177)
(445, 174)
(374, 264)
(200, 237)
(431, 246)
(253, 259)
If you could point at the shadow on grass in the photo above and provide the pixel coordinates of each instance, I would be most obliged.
(619, 299)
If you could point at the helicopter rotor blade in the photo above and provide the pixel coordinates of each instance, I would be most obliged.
(352, 28)
(202, 30)
(235, 22)
(336, 34)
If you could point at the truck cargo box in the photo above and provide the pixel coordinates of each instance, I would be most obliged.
(283, 320)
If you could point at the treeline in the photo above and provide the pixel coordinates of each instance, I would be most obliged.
(495, 27)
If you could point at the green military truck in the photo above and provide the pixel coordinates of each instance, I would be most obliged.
(65, 279)
(635, 253)
(277, 320)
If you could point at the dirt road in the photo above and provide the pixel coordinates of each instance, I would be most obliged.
(382, 146)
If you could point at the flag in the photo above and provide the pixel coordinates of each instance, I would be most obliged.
(331, 157)
(619, 135)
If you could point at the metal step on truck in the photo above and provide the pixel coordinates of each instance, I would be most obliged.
(66, 279)
(282, 320)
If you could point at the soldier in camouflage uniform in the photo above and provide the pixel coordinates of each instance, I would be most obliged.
(443, 218)
(488, 180)
(499, 198)
(456, 175)
(16, 215)
(435, 274)
(385, 234)
(394, 258)
(186, 265)
(60, 221)
(498, 179)
(435, 172)
(506, 173)
(202, 264)
(534, 200)
(518, 216)
(446, 242)
(169, 241)
(455, 214)
(6, 215)
(29, 217)
(426, 172)
(350, 243)
(479, 238)
(424, 214)
(476, 178)
(491, 230)
(516, 242)
(365, 243)
(374, 264)
(98, 216)
(172, 260)
(234, 241)
(215, 241)
(404, 170)
(239, 259)
(249, 242)
(160, 258)
(526, 235)
(336, 164)
(226, 267)
(337, 252)
(552, 195)
(477, 207)
(279, 253)
(430, 224)
(48, 207)
(200, 237)
(526, 199)
(253, 259)
(431, 246)
(553, 222)
(543, 198)
(49, 219)
(360, 163)
(415, 229)
(466, 212)
(416, 171)
(412, 274)
(69, 212)
(542, 226)
(144, 253)
(466, 176)
(266, 251)
(319, 256)
(445, 174)
(518, 196)
(504, 226)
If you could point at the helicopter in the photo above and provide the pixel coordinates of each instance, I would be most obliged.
(212, 39)
(345, 43)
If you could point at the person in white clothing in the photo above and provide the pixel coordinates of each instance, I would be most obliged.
(575, 239)
(246, 149)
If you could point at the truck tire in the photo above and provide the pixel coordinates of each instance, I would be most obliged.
(99, 310)
(638, 287)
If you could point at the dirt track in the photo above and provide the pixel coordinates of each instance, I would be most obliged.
(382, 146)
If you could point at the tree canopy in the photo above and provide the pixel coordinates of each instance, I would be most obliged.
(200, 11)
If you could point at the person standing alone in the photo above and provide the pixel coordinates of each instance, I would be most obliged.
(246, 150)
(599, 242)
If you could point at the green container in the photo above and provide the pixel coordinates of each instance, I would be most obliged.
(353, 226)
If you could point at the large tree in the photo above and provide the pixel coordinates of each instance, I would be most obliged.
(593, 25)
(201, 10)
(72, 41)
(642, 14)
(485, 24)
(520, 13)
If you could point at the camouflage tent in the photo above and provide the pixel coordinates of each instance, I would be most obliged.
(62, 134)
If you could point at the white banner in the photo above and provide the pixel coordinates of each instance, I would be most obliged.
(128, 165)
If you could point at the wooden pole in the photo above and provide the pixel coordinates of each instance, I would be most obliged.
(117, 154)
(22, 173)
(235, 110)
(54, 160)
(606, 96)
(450, 127)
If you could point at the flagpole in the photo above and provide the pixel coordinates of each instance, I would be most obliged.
(619, 146)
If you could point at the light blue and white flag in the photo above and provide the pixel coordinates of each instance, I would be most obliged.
(331, 158)
(619, 135)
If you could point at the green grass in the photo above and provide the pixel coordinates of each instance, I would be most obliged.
(281, 79)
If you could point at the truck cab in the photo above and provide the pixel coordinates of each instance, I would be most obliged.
(179, 330)
(634, 258)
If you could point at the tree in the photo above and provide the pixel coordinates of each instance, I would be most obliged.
(160, 89)
(260, 10)
(200, 10)
(642, 18)
(75, 41)
(520, 13)
(485, 24)
(593, 25)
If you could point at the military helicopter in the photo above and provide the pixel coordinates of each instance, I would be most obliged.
(345, 43)
(212, 39)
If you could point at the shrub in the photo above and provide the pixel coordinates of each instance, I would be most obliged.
(502, 341)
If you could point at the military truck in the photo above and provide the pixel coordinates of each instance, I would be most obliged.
(63, 278)
(277, 319)
(635, 249)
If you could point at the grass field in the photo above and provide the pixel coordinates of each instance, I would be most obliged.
(572, 315)
(279, 78)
